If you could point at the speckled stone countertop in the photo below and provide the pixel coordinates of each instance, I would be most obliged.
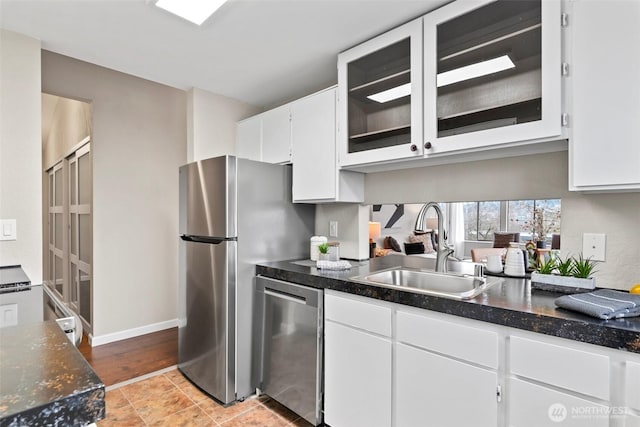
(44, 380)
(511, 303)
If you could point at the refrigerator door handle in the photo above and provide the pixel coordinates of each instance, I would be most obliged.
(204, 239)
(285, 295)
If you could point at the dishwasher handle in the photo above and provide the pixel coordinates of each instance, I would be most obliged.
(285, 295)
(292, 292)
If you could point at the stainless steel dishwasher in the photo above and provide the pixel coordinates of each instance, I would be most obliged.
(288, 345)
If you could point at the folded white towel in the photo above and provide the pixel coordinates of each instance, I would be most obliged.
(333, 265)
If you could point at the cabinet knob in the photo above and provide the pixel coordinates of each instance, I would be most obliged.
(414, 147)
(428, 145)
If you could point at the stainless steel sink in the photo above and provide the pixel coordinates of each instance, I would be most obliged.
(458, 286)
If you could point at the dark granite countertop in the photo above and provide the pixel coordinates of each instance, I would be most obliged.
(44, 380)
(511, 303)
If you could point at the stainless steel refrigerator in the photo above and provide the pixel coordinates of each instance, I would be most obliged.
(233, 213)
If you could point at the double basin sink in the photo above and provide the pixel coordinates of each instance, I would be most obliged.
(455, 284)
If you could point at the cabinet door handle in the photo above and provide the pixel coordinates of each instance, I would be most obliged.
(414, 147)
(428, 145)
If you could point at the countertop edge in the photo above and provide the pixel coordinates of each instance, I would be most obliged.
(588, 330)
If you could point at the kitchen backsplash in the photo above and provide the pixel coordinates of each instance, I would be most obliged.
(526, 177)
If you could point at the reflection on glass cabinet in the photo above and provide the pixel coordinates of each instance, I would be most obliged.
(379, 86)
(489, 68)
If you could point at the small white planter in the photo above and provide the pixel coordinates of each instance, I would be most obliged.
(554, 282)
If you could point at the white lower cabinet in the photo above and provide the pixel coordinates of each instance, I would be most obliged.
(389, 365)
(559, 365)
(554, 381)
(357, 379)
(535, 405)
(445, 371)
(632, 393)
(438, 391)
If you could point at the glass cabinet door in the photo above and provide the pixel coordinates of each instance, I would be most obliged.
(492, 73)
(379, 100)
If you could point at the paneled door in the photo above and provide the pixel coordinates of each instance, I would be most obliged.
(80, 232)
(55, 220)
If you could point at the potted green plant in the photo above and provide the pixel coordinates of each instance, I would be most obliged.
(565, 267)
(569, 275)
(323, 248)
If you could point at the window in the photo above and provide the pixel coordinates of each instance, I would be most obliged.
(533, 219)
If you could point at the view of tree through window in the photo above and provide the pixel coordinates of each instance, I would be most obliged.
(533, 219)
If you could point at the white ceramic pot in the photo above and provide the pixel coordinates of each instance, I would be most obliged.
(514, 262)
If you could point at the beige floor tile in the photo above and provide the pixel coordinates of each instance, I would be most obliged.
(187, 387)
(158, 407)
(114, 399)
(221, 414)
(149, 389)
(190, 417)
(176, 377)
(167, 400)
(258, 416)
(123, 416)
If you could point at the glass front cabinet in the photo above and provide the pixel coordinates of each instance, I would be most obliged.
(492, 74)
(379, 99)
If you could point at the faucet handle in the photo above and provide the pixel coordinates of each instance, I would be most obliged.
(478, 270)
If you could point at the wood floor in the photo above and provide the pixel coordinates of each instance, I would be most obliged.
(127, 359)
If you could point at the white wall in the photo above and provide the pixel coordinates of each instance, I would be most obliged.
(353, 227)
(528, 177)
(69, 124)
(139, 141)
(20, 151)
(211, 123)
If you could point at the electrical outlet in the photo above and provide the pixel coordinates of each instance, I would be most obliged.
(593, 246)
(333, 228)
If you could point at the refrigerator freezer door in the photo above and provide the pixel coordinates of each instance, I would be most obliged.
(206, 326)
(208, 197)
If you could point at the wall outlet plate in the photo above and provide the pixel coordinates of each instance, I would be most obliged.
(8, 229)
(593, 246)
(333, 228)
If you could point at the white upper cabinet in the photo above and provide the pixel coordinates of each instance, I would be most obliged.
(316, 177)
(604, 153)
(266, 137)
(249, 139)
(492, 74)
(379, 98)
(276, 135)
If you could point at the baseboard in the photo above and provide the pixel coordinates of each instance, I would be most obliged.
(95, 341)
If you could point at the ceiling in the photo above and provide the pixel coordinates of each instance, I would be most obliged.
(263, 52)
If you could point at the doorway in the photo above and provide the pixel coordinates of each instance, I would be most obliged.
(68, 201)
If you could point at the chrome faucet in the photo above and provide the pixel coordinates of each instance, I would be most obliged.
(444, 251)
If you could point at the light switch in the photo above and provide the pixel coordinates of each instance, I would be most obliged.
(593, 246)
(8, 229)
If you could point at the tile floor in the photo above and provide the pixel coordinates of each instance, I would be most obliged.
(169, 399)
